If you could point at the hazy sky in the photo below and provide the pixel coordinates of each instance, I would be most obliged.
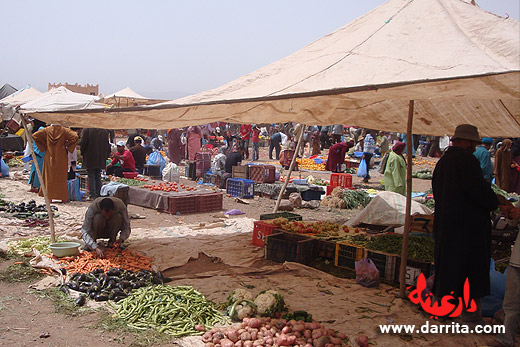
(165, 49)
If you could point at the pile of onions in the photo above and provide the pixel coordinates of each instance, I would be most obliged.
(270, 332)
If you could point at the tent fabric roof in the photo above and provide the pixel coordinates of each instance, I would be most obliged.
(58, 99)
(458, 62)
(23, 96)
(7, 90)
(126, 93)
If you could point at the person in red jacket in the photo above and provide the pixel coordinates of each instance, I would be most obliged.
(256, 142)
(125, 158)
(245, 135)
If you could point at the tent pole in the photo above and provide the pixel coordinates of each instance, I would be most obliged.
(297, 150)
(40, 177)
(408, 217)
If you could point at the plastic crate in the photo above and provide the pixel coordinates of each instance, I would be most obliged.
(413, 269)
(182, 204)
(281, 247)
(310, 194)
(240, 187)
(386, 264)
(262, 173)
(260, 231)
(341, 180)
(325, 249)
(347, 255)
(287, 215)
(153, 171)
(240, 171)
(209, 202)
(210, 178)
(329, 190)
(83, 183)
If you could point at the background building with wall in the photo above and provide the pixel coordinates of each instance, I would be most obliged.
(77, 88)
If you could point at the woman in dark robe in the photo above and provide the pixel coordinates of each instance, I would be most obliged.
(337, 156)
(175, 146)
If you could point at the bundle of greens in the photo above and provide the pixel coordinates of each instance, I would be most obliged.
(419, 247)
(355, 198)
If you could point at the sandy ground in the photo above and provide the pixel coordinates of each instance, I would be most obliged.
(24, 314)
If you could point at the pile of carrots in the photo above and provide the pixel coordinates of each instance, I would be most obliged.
(114, 258)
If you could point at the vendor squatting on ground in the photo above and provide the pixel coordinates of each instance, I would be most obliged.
(105, 218)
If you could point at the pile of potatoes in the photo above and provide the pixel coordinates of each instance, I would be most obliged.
(270, 332)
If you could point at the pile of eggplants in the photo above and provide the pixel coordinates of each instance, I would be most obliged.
(23, 207)
(114, 285)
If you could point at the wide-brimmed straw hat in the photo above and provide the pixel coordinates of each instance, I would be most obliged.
(466, 132)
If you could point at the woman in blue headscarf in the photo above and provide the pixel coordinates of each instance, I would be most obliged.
(34, 181)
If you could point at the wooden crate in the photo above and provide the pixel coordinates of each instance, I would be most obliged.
(240, 171)
(422, 223)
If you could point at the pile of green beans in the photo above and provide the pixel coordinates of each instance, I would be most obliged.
(171, 310)
(130, 182)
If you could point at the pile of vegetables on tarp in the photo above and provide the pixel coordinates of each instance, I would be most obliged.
(322, 229)
(267, 331)
(177, 311)
(347, 198)
(115, 284)
(114, 258)
(24, 210)
(425, 174)
(26, 246)
(268, 303)
(132, 181)
(419, 247)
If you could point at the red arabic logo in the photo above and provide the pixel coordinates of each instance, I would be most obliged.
(445, 307)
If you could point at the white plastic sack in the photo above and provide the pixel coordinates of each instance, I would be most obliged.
(171, 173)
(387, 208)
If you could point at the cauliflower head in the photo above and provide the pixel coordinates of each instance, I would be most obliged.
(239, 295)
(269, 302)
(241, 309)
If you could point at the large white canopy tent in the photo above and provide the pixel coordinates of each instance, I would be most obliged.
(61, 99)
(9, 103)
(459, 63)
(128, 97)
(442, 62)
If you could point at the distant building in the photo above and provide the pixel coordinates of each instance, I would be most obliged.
(77, 88)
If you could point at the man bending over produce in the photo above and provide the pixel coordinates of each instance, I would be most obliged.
(104, 219)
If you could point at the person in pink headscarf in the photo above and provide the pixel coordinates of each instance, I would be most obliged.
(194, 137)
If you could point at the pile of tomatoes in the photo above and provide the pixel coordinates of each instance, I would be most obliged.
(168, 187)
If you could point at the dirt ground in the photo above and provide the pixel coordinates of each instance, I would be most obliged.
(26, 314)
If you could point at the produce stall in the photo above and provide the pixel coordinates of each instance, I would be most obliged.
(273, 189)
(162, 195)
(344, 245)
